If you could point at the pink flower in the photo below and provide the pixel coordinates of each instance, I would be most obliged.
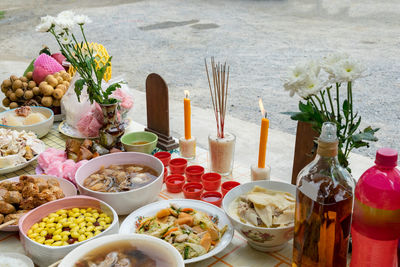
(126, 100)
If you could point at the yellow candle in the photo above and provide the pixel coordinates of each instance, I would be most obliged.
(186, 105)
(263, 137)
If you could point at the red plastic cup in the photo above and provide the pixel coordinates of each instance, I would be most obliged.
(165, 174)
(212, 197)
(193, 190)
(211, 181)
(164, 156)
(226, 186)
(175, 183)
(177, 166)
(193, 173)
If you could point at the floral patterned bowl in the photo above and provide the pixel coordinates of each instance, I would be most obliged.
(260, 238)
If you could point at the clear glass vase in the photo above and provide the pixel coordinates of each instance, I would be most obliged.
(222, 151)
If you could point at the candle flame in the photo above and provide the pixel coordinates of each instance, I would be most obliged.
(186, 93)
(263, 111)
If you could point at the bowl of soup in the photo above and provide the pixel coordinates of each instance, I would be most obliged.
(124, 250)
(125, 180)
(144, 142)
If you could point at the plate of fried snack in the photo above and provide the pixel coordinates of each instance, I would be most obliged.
(19, 195)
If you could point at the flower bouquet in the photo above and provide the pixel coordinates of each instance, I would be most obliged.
(326, 91)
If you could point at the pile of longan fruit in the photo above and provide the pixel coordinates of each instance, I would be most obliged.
(48, 93)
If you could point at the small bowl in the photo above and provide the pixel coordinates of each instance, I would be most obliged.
(164, 156)
(193, 173)
(40, 129)
(148, 137)
(44, 255)
(178, 165)
(260, 238)
(211, 181)
(228, 185)
(175, 183)
(158, 246)
(192, 190)
(18, 256)
(165, 174)
(212, 197)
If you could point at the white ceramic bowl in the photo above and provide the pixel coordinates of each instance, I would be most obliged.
(67, 187)
(158, 245)
(18, 256)
(44, 255)
(123, 202)
(130, 223)
(40, 129)
(260, 238)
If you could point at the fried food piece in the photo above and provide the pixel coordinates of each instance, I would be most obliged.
(72, 145)
(57, 192)
(26, 179)
(44, 197)
(53, 182)
(13, 197)
(9, 185)
(13, 216)
(29, 153)
(23, 111)
(84, 153)
(87, 143)
(3, 191)
(6, 208)
(30, 190)
(27, 203)
(1, 218)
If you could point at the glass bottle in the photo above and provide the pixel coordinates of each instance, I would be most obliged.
(324, 202)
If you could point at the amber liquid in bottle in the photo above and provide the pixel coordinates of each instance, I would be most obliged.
(324, 201)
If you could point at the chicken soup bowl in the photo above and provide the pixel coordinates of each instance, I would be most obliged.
(259, 238)
(123, 202)
(44, 255)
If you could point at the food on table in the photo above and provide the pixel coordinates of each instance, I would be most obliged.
(125, 254)
(18, 147)
(88, 149)
(264, 208)
(16, 198)
(193, 233)
(119, 178)
(8, 261)
(45, 65)
(23, 116)
(69, 226)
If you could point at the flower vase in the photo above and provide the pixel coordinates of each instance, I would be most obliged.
(222, 151)
(112, 130)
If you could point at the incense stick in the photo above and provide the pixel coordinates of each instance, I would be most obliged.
(218, 92)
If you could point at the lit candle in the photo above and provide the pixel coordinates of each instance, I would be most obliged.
(186, 104)
(263, 136)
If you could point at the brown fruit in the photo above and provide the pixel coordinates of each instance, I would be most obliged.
(62, 72)
(7, 83)
(57, 74)
(13, 105)
(66, 85)
(38, 99)
(47, 101)
(13, 97)
(29, 75)
(59, 79)
(56, 102)
(48, 90)
(42, 85)
(24, 85)
(65, 76)
(4, 89)
(58, 93)
(17, 84)
(36, 90)
(31, 84)
(19, 92)
(13, 78)
(23, 79)
(9, 92)
(28, 94)
(6, 102)
(62, 87)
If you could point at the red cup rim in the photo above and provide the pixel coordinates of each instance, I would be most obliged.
(213, 194)
(162, 155)
(178, 162)
(194, 169)
(229, 184)
(211, 176)
(175, 177)
(192, 185)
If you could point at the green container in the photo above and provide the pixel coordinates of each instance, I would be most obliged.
(129, 140)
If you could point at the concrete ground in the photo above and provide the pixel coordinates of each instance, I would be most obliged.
(259, 39)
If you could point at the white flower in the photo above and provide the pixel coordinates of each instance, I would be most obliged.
(82, 19)
(67, 14)
(65, 20)
(65, 40)
(45, 24)
(350, 70)
(312, 85)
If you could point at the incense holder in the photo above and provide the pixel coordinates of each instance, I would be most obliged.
(187, 147)
(260, 173)
(222, 151)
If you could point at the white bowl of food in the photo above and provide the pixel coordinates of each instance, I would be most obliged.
(20, 194)
(138, 180)
(15, 259)
(197, 229)
(35, 119)
(124, 250)
(46, 241)
(263, 212)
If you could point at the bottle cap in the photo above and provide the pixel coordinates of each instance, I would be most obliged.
(386, 157)
(328, 133)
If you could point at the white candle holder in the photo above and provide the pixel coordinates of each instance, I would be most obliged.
(260, 173)
(187, 147)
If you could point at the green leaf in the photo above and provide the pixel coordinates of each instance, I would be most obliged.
(306, 107)
(79, 87)
(366, 135)
(346, 108)
(30, 67)
(109, 91)
(354, 127)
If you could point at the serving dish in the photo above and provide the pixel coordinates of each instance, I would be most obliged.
(130, 224)
(40, 129)
(160, 247)
(44, 255)
(127, 201)
(18, 256)
(67, 187)
(260, 238)
(18, 167)
(147, 141)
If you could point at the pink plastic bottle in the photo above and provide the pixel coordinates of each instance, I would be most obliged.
(376, 218)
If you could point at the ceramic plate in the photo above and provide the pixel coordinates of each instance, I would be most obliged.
(18, 256)
(67, 187)
(129, 224)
